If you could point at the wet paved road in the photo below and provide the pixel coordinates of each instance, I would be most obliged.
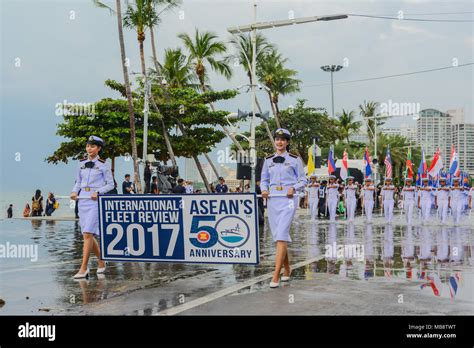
(344, 269)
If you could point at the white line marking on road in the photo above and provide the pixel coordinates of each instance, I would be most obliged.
(227, 291)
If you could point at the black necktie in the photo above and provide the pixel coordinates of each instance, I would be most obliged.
(89, 164)
(279, 159)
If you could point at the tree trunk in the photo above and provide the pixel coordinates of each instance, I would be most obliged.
(198, 163)
(203, 87)
(269, 133)
(165, 133)
(270, 136)
(201, 171)
(158, 71)
(275, 115)
(153, 51)
(128, 91)
(142, 57)
(214, 169)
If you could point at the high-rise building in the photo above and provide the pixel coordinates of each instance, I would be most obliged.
(458, 115)
(433, 130)
(404, 130)
(463, 141)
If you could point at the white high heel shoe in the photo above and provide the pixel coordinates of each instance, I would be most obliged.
(101, 270)
(285, 278)
(81, 275)
(274, 285)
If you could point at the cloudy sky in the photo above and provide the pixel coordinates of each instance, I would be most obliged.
(64, 50)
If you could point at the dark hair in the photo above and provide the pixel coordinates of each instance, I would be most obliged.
(180, 181)
(127, 175)
(153, 177)
(38, 194)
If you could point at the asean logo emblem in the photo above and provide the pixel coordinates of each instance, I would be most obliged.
(203, 236)
(233, 231)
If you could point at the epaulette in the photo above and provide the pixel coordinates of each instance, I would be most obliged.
(101, 160)
(294, 156)
(270, 156)
(84, 159)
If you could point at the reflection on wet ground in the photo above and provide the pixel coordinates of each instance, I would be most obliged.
(435, 259)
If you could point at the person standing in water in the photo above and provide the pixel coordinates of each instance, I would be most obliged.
(282, 177)
(94, 177)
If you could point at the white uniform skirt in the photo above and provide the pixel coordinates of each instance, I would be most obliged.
(89, 216)
(281, 211)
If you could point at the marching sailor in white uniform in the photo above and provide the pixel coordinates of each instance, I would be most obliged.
(442, 200)
(332, 194)
(94, 177)
(282, 176)
(424, 200)
(350, 198)
(408, 193)
(367, 192)
(312, 195)
(456, 201)
(387, 199)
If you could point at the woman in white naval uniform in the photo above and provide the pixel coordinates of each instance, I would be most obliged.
(367, 192)
(456, 201)
(408, 193)
(94, 176)
(350, 198)
(282, 176)
(387, 199)
(332, 194)
(442, 200)
(312, 196)
(424, 200)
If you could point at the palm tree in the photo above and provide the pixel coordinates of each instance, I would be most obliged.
(177, 70)
(139, 17)
(347, 125)
(278, 79)
(367, 111)
(128, 90)
(203, 52)
(244, 56)
(152, 6)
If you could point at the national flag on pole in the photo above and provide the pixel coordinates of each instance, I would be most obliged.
(454, 169)
(453, 285)
(409, 164)
(331, 164)
(367, 163)
(310, 160)
(388, 164)
(436, 164)
(422, 168)
(345, 167)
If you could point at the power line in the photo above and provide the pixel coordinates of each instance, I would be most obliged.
(412, 19)
(390, 76)
(426, 14)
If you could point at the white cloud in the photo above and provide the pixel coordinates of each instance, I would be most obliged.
(414, 30)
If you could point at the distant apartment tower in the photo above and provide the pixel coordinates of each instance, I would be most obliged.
(404, 130)
(463, 141)
(458, 115)
(433, 130)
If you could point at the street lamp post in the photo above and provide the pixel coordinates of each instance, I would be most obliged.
(332, 69)
(253, 28)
